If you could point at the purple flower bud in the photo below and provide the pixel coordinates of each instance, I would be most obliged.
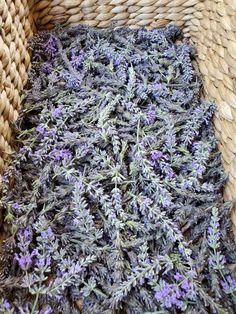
(160, 90)
(25, 261)
(24, 235)
(198, 168)
(151, 116)
(40, 129)
(76, 60)
(156, 155)
(6, 305)
(147, 201)
(163, 293)
(210, 230)
(229, 284)
(57, 112)
(47, 68)
(137, 158)
(171, 174)
(141, 281)
(225, 286)
(47, 234)
(43, 262)
(185, 285)
(73, 81)
(76, 221)
(4, 178)
(231, 281)
(53, 78)
(60, 154)
(210, 188)
(170, 295)
(15, 206)
(51, 45)
(118, 61)
(73, 269)
(159, 86)
(46, 310)
(210, 261)
(166, 202)
(70, 136)
(52, 133)
(178, 276)
(187, 184)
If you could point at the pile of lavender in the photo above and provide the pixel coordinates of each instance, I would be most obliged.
(113, 201)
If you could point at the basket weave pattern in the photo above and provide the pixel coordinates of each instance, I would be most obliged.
(14, 62)
(211, 24)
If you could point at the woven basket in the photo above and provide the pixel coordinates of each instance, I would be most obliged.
(211, 24)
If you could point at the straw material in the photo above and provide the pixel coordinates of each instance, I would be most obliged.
(211, 24)
(14, 62)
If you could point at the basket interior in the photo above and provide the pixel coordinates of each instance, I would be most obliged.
(211, 24)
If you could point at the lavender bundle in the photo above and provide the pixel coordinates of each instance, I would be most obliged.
(113, 201)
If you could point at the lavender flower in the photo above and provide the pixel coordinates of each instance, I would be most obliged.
(229, 284)
(25, 261)
(47, 68)
(113, 186)
(178, 276)
(73, 81)
(76, 60)
(185, 285)
(51, 46)
(15, 206)
(57, 112)
(43, 262)
(53, 78)
(159, 90)
(216, 260)
(170, 296)
(60, 154)
(198, 168)
(47, 234)
(41, 130)
(24, 235)
(46, 310)
(156, 155)
(151, 116)
(6, 305)
(118, 61)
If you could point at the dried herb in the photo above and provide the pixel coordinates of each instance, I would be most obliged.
(116, 204)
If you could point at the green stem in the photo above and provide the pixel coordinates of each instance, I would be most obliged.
(35, 303)
(138, 127)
